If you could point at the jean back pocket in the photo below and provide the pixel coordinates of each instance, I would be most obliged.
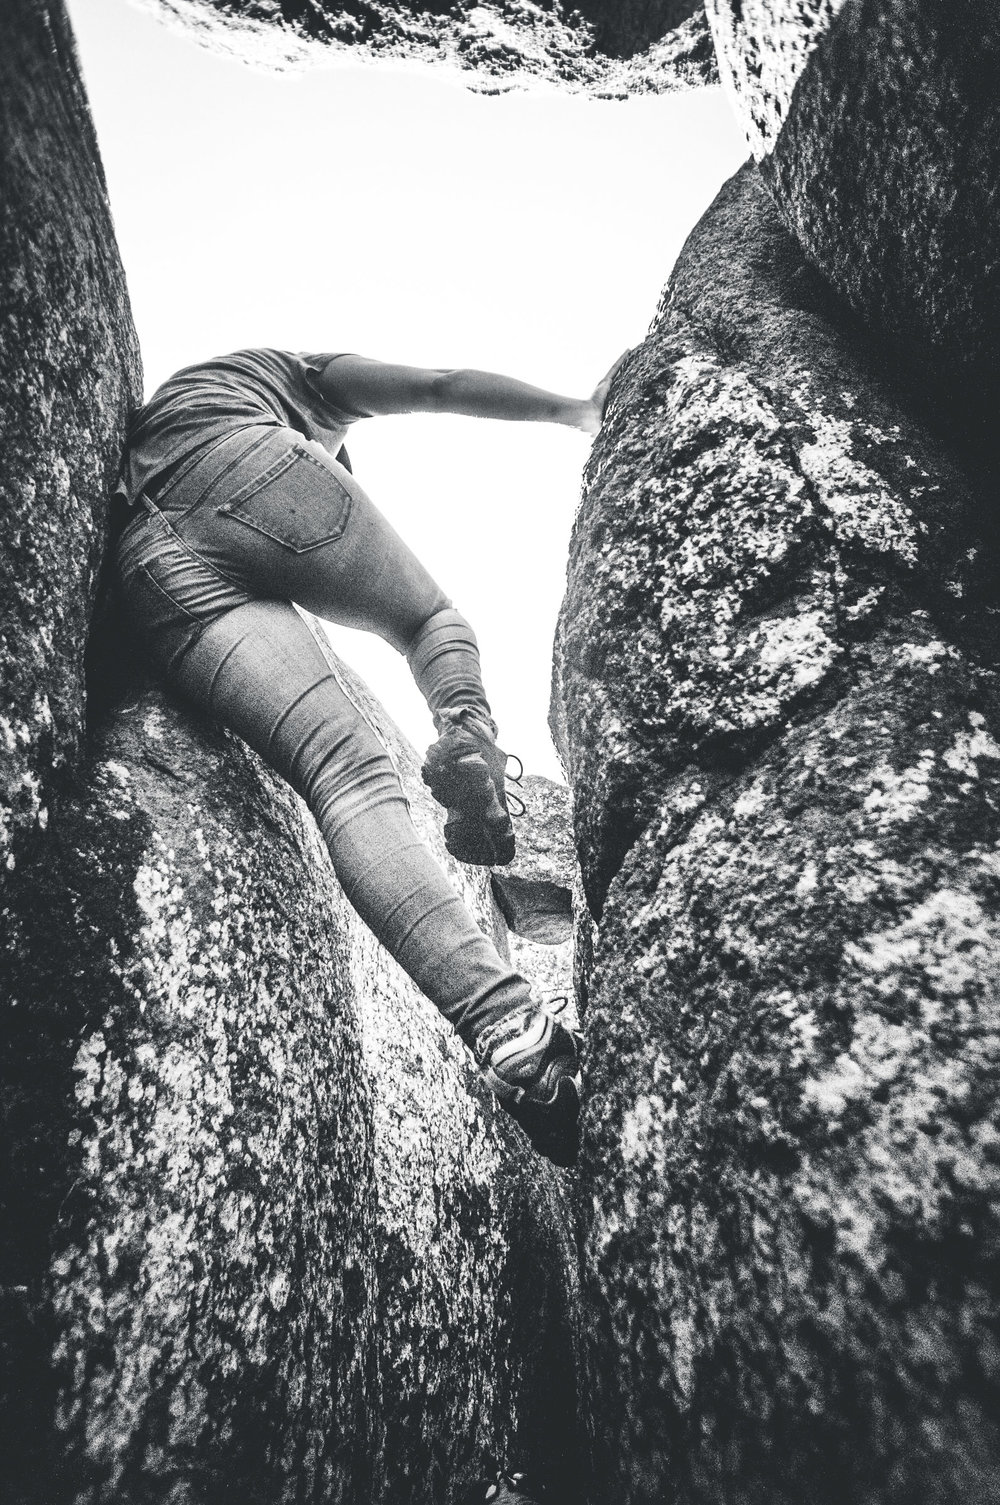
(297, 501)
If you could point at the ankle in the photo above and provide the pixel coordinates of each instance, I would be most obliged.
(480, 1020)
(475, 717)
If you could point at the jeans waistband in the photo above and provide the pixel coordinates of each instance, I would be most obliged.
(166, 479)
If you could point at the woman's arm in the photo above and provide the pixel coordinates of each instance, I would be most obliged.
(366, 387)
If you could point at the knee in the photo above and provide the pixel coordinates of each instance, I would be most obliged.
(441, 630)
(350, 775)
(402, 632)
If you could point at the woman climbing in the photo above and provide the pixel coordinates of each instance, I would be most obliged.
(238, 508)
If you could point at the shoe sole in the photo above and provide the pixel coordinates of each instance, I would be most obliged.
(478, 830)
(551, 1126)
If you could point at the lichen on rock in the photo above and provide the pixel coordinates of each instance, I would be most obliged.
(757, 496)
(70, 366)
(776, 695)
(273, 1237)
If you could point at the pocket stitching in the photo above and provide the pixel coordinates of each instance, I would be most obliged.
(232, 508)
(182, 543)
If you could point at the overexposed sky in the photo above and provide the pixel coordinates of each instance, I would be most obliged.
(395, 213)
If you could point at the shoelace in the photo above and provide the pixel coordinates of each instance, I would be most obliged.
(555, 1008)
(515, 778)
(464, 713)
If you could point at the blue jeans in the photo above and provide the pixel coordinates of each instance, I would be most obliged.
(209, 568)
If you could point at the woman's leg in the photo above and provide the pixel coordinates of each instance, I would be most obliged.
(255, 665)
(288, 520)
(260, 671)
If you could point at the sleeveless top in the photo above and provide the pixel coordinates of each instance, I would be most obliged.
(202, 404)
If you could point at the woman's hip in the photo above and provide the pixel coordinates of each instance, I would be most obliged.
(168, 590)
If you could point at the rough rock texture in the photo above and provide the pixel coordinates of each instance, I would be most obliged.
(535, 891)
(877, 127)
(70, 368)
(548, 967)
(610, 50)
(265, 1237)
(625, 28)
(189, 1188)
(779, 713)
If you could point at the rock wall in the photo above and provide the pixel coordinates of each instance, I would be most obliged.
(777, 703)
(70, 368)
(886, 174)
(646, 46)
(265, 1236)
(190, 1211)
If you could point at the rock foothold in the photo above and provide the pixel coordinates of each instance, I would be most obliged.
(535, 891)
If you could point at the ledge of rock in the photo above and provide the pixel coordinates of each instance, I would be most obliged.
(877, 129)
(535, 891)
(70, 370)
(778, 702)
(606, 49)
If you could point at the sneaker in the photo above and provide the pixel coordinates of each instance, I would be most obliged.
(530, 1061)
(465, 771)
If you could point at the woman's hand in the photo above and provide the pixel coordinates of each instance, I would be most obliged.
(593, 410)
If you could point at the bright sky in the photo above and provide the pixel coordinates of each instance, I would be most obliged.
(395, 213)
